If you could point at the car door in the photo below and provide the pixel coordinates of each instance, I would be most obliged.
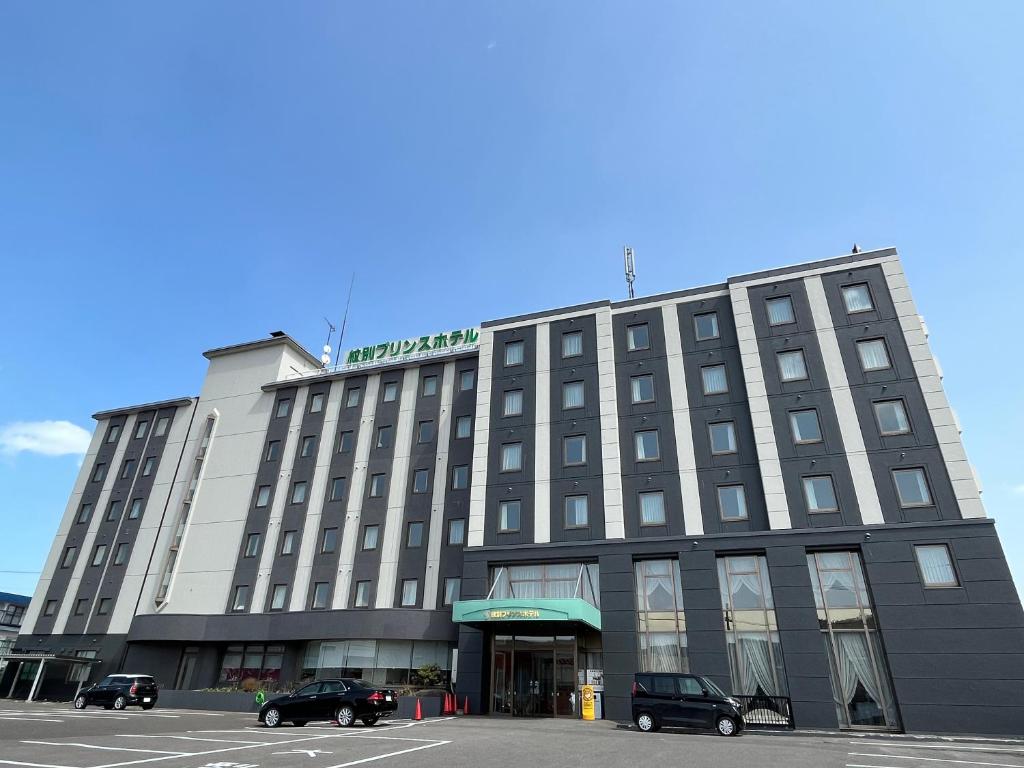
(329, 699)
(663, 697)
(103, 692)
(695, 707)
(302, 704)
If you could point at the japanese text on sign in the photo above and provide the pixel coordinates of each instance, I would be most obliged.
(410, 349)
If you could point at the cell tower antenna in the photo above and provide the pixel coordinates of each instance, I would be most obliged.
(627, 254)
(325, 358)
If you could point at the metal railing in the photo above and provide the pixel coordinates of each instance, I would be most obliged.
(766, 711)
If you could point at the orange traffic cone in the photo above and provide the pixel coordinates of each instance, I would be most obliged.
(419, 712)
(465, 707)
(446, 706)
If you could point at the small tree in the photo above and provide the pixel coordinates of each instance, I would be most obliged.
(430, 675)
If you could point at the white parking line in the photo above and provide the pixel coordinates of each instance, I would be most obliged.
(189, 738)
(952, 747)
(34, 765)
(390, 754)
(933, 759)
(97, 746)
(31, 719)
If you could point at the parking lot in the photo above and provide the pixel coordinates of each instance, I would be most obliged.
(56, 736)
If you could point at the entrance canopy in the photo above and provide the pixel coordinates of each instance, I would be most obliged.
(31, 666)
(489, 611)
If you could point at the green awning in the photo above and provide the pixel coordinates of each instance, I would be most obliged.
(526, 609)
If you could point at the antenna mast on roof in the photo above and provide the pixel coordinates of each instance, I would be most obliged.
(344, 319)
(627, 254)
(325, 358)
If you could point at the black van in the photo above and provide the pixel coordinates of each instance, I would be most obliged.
(684, 701)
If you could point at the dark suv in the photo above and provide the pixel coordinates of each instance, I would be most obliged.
(120, 691)
(685, 701)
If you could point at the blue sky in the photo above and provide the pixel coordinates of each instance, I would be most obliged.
(179, 176)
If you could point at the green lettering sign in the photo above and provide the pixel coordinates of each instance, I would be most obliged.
(411, 349)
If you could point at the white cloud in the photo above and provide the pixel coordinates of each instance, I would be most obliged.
(50, 438)
(1017, 489)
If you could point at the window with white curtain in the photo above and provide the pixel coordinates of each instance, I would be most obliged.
(452, 587)
(572, 344)
(511, 457)
(390, 392)
(576, 511)
(460, 477)
(780, 310)
(574, 450)
(912, 487)
(463, 427)
(805, 426)
(857, 298)
(647, 447)
(513, 405)
(409, 590)
(638, 337)
(820, 494)
(723, 437)
(513, 353)
(936, 565)
(660, 618)
(705, 326)
(874, 356)
(713, 378)
(732, 502)
(572, 395)
(642, 388)
(792, 366)
(892, 417)
(508, 516)
(652, 508)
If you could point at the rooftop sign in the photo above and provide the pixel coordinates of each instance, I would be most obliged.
(407, 350)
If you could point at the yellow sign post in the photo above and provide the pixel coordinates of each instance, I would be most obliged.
(588, 702)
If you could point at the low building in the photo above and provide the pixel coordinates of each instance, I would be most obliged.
(12, 613)
(759, 480)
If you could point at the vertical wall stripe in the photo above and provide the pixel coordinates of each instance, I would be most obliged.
(692, 517)
(435, 535)
(356, 493)
(947, 430)
(318, 491)
(849, 424)
(282, 497)
(614, 520)
(760, 414)
(397, 485)
(542, 441)
(481, 434)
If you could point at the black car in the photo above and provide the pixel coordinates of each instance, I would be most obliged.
(120, 691)
(342, 699)
(685, 701)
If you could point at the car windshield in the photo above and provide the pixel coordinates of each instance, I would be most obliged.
(712, 688)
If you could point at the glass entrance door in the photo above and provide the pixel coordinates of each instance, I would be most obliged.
(534, 676)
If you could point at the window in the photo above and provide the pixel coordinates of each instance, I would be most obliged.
(345, 442)
(414, 535)
(84, 513)
(273, 450)
(642, 388)
(857, 298)
(508, 516)
(284, 407)
(652, 508)
(114, 510)
(298, 492)
(263, 496)
(147, 468)
(572, 395)
(463, 427)
(161, 426)
(705, 326)
(792, 366)
(329, 544)
(466, 379)
(337, 489)
(912, 487)
(99, 554)
(637, 337)
(420, 481)
(80, 604)
(390, 392)
(113, 433)
(572, 344)
(51, 608)
(647, 448)
(892, 417)
(574, 450)
(780, 310)
(121, 553)
(714, 381)
(460, 477)
(288, 543)
(409, 589)
(308, 443)
(316, 402)
(320, 591)
(99, 473)
(377, 486)
(135, 511)
(128, 469)
(252, 545)
(513, 353)
(732, 502)
(278, 596)
(820, 494)
(456, 531)
(352, 397)
(140, 429)
(576, 512)
(805, 426)
(429, 386)
(370, 535)
(723, 437)
(513, 403)
(69, 557)
(511, 457)
(660, 620)
(452, 588)
(425, 432)
(362, 599)
(384, 436)
(873, 355)
(936, 565)
(241, 598)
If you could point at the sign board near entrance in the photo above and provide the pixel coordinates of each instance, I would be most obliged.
(406, 350)
(588, 702)
(514, 614)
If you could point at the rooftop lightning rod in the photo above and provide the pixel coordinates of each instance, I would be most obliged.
(344, 319)
(627, 254)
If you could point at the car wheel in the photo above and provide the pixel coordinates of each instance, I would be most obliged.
(346, 716)
(726, 726)
(370, 721)
(645, 722)
(273, 718)
(120, 702)
(80, 702)
(299, 723)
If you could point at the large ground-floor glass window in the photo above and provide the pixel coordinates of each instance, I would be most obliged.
(420, 663)
(251, 665)
(860, 678)
(661, 624)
